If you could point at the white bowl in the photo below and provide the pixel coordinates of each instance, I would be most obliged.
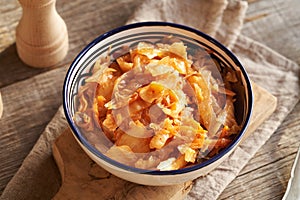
(130, 35)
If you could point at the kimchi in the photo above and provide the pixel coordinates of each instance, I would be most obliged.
(159, 107)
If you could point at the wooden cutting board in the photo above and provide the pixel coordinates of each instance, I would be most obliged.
(84, 179)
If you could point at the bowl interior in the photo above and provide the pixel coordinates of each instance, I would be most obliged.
(114, 42)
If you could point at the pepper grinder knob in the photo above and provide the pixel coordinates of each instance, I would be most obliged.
(41, 35)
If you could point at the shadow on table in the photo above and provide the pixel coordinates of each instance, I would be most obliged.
(12, 69)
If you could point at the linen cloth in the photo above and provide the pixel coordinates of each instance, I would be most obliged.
(222, 19)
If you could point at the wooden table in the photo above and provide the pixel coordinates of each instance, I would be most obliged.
(264, 177)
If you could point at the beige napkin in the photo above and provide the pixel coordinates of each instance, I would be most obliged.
(223, 20)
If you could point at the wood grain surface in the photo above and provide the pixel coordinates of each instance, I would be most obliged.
(276, 23)
(1, 106)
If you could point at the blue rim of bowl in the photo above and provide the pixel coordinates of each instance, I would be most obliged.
(92, 149)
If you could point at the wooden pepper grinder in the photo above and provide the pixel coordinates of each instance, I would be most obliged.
(41, 35)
